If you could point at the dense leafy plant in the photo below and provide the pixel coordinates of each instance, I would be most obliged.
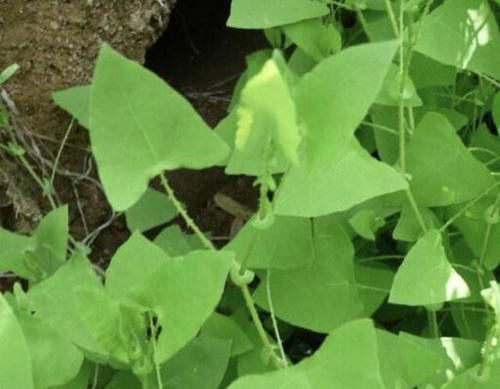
(375, 149)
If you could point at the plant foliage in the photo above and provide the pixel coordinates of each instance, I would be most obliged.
(371, 260)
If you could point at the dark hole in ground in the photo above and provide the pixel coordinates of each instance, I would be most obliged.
(202, 59)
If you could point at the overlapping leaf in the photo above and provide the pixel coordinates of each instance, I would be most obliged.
(462, 33)
(15, 362)
(325, 290)
(442, 170)
(182, 292)
(139, 127)
(426, 277)
(256, 14)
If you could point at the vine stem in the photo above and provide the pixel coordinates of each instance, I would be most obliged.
(185, 216)
(392, 17)
(434, 327)
(154, 329)
(273, 319)
(96, 377)
(250, 303)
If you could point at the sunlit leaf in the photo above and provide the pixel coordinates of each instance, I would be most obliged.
(426, 277)
(140, 127)
(183, 292)
(256, 14)
(266, 121)
(336, 185)
(335, 96)
(462, 33)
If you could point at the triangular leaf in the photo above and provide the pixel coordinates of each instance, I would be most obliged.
(152, 209)
(442, 170)
(426, 277)
(139, 127)
(76, 102)
(337, 185)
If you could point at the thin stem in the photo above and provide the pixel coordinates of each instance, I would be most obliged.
(153, 329)
(379, 258)
(417, 212)
(380, 127)
(96, 377)
(433, 323)
(250, 303)
(259, 327)
(185, 216)
(38, 180)
(392, 17)
(362, 20)
(467, 207)
(59, 153)
(273, 319)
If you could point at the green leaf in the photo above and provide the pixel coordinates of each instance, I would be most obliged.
(8, 72)
(173, 241)
(335, 96)
(389, 94)
(152, 209)
(366, 223)
(374, 284)
(286, 244)
(200, 364)
(337, 185)
(182, 292)
(12, 257)
(314, 37)
(225, 328)
(482, 237)
(442, 170)
(54, 359)
(36, 257)
(426, 72)
(53, 232)
(325, 289)
(477, 377)
(266, 120)
(260, 14)
(456, 356)
(404, 363)
(354, 356)
(462, 33)
(409, 228)
(140, 127)
(15, 363)
(426, 277)
(75, 101)
(74, 302)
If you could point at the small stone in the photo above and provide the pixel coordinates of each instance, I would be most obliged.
(54, 25)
